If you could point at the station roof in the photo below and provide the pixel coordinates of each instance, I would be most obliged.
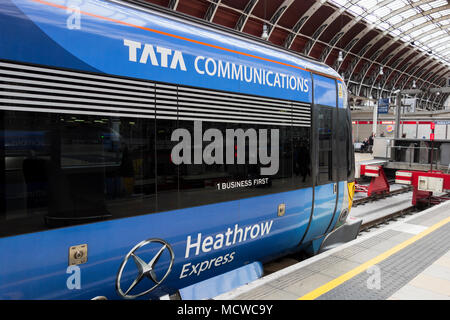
(378, 46)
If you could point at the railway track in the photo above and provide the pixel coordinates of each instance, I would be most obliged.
(397, 214)
(376, 197)
(387, 218)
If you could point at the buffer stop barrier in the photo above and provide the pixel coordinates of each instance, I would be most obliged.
(428, 187)
(378, 184)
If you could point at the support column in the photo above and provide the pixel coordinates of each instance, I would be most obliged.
(398, 115)
(375, 119)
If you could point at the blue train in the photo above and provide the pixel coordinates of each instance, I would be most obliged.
(145, 154)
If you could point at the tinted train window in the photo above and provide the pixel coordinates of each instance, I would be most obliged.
(302, 168)
(222, 172)
(342, 145)
(61, 169)
(325, 131)
(167, 171)
(64, 169)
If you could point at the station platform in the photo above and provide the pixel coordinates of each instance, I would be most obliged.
(407, 259)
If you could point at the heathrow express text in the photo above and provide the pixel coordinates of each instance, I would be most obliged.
(200, 244)
(162, 57)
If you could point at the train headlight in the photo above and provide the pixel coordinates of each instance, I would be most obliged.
(343, 216)
(347, 203)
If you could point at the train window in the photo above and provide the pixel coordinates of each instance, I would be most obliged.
(302, 168)
(218, 178)
(62, 169)
(325, 130)
(342, 144)
(167, 171)
(65, 169)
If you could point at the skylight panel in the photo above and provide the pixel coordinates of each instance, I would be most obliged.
(426, 38)
(443, 48)
(384, 25)
(340, 2)
(419, 21)
(438, 3)
(416, 33)
(436, 15)
(438, 33)
(406, 38)
(437, 42)
(408, 13)
(425, 7)
(394, 20)
(406, 26)
(356, 9)
(383, 11)
(371, 18)
(396, 32)
(428, 27)
(366, 4)
(394, 5)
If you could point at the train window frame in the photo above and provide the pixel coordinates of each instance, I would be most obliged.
(332, 169)
(291, 182)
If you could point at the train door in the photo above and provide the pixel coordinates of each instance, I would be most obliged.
(325, 115)
(342, 153)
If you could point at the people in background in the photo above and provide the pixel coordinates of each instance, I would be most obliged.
(127, 172)
(370, 139)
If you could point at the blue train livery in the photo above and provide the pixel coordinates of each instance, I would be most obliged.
(148, 155)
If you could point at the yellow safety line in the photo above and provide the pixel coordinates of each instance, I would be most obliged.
(347, 276)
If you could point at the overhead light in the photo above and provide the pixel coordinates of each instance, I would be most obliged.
(340, 57)
(381, 71)
(414, 84)
(265, 33)
(438, 93)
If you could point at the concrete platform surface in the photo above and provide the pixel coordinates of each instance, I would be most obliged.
(408, 259)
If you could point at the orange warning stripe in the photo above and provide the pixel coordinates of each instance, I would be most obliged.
(185, 39)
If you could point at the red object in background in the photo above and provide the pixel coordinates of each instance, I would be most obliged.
(432, 125)
(412, 178)
(378, 184)
(419, 196)
(432, 136)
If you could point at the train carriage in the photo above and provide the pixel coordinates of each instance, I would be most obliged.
(144, 153)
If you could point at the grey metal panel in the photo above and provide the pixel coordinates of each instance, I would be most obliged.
(51, 92)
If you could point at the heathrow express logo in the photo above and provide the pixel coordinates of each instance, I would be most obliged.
(230, 149)
(144, 269)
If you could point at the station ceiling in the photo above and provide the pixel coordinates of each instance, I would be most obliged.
(378, 46)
